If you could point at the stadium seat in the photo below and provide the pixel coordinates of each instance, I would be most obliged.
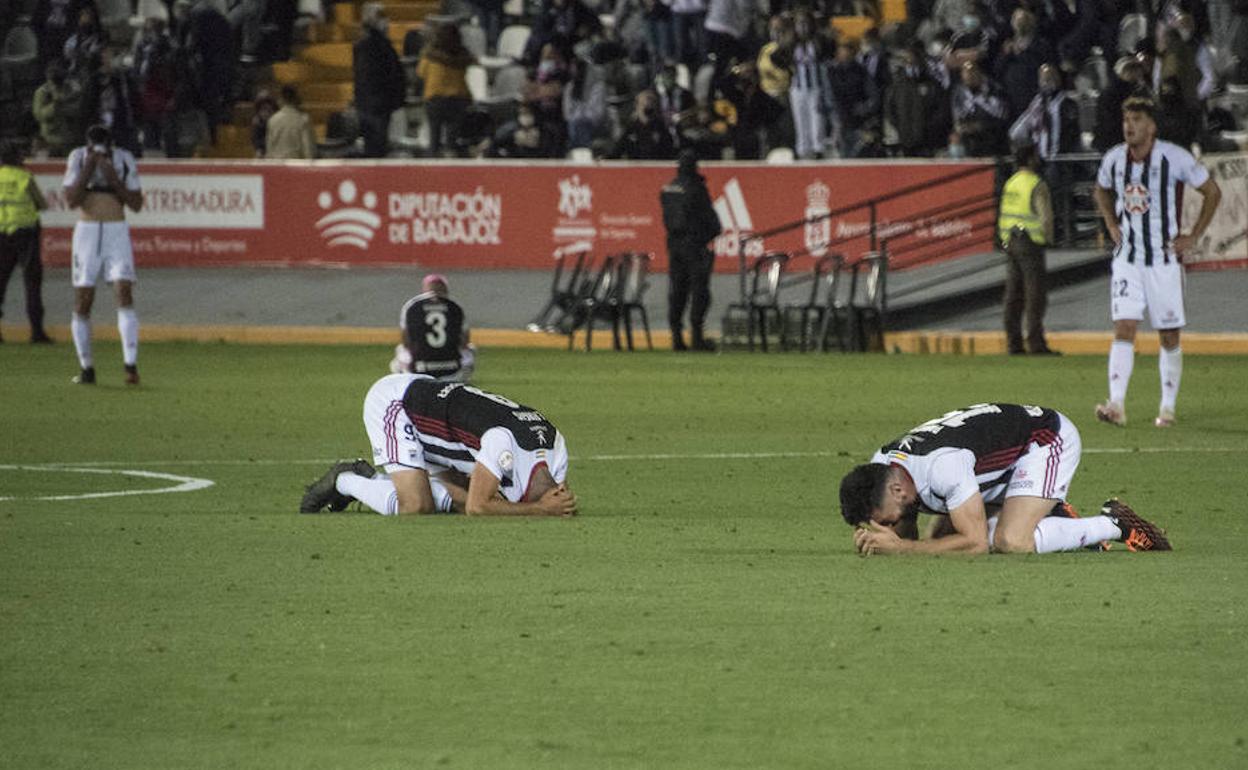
(571, 260)
(868, 301)
(21, 45)
(824, 310)
(474, 39)
(513, 8)
(478, 83)
(581, 155)
(400, 133)
(682, 76)
(761, 305)
(149, 9)
(596, 303)
(508, 84)
(512, 40)
(780, 155)
(634, 279)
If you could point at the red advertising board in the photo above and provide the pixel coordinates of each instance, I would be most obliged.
(513, 215)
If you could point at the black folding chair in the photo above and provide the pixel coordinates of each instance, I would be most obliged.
(597, 304)
(634, 273)
(811, 321)
(763, 302)
(868, 301)
(563, 294)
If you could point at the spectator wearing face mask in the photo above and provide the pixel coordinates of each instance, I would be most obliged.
(523, 137)
(1019, 62)
(647, 136)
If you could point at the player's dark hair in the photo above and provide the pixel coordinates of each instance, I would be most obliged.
(862, 491)
(1142, 105)
(98, 134)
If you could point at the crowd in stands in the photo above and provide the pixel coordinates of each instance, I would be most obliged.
(161, 76)
(644, 79)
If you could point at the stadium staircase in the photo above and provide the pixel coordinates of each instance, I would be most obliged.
(320, 69)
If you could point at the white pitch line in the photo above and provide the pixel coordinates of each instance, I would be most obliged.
(596, 458)
(185, 483)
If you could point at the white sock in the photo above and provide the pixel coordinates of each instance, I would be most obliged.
(128, 330)
(1055, 533)
(1170, 362)
(80, 327)
(378, 494)
(1121, 362)
(441, 496)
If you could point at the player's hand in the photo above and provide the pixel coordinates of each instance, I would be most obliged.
(1115, 234)
(877, 538)
(1183, 244)
(559, 501)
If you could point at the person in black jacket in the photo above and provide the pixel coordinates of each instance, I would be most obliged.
(379, 81)
(691, 223)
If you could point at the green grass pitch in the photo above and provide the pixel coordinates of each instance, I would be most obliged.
(705, 610)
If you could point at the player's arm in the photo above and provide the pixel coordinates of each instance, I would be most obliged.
(907, 528)
(970, 524)
(1105, 204)
(76, 189)
(130, 198)
(1212, 196)
(483, 499)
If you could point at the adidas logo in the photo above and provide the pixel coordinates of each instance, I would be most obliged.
(350, 226)
(734, 218)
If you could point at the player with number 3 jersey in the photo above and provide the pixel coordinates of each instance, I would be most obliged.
(428, 436)
(1000, 473)
(435, 335)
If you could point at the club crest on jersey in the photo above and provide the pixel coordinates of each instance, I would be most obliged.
(506, 461)
(1135, 198)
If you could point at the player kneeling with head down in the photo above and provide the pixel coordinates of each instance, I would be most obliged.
(1000, 473)
(428, 437)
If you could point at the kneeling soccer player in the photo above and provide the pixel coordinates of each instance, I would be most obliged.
(998, 471)
(428, 436)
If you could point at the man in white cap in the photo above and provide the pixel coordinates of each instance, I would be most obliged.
(435, 335)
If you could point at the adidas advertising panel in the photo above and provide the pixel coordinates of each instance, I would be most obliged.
(516, 215)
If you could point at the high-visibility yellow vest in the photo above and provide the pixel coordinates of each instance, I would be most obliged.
(17, 210)
(1016, 208)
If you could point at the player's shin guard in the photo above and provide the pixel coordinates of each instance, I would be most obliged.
(1121, 362)
(1054, 533)
(1170, 362)
(378, 494)
(128, 330)
(80, 327)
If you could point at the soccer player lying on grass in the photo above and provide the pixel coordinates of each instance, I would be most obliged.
(1000, 472)
(428, 436)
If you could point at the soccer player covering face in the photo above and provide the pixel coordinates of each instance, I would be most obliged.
(449, 447)
(998, 473)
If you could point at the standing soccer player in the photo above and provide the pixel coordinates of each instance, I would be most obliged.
(427, 436)
(102, 181)
(1139, 192)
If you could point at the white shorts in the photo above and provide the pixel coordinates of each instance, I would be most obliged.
(1047, 470)
(396, 444)
(102, 246)
(1132, 287)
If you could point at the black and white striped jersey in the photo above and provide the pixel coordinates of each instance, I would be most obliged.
(969, 450)
(1149, 198)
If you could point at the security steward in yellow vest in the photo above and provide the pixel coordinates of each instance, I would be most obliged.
(20, 204)
(1025, 226)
